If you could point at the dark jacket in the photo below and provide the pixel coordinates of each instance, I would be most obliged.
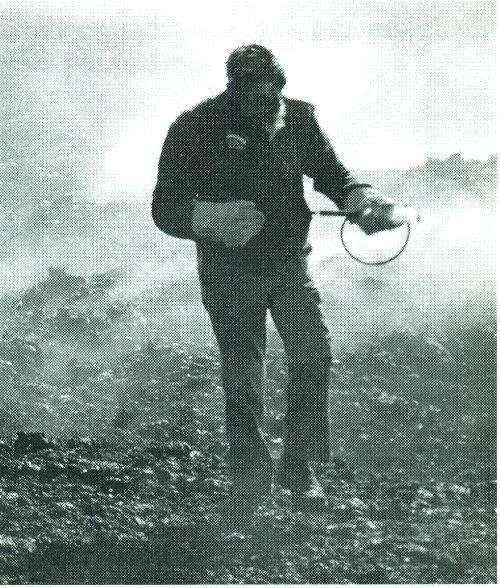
(197, 162)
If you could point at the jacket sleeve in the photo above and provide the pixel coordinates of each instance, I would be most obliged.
(330, 176)
(176, 186)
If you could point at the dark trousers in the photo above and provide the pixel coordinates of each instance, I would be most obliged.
(237, 301)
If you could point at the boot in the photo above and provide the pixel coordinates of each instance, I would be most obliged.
(251, 474)
(296, 474)
(251, 471)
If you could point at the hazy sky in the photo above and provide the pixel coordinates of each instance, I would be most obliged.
(393, 82)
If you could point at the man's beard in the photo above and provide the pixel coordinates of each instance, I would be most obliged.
(261, 111)
(254, 108)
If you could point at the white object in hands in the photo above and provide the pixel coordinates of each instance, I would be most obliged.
(233, 223)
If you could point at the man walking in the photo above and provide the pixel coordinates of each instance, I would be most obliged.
(230, 177)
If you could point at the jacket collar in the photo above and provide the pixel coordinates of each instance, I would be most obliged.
(279, 122)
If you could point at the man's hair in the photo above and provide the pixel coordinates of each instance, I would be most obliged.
(253, 63)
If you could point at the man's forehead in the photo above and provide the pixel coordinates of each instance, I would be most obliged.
(251, 65)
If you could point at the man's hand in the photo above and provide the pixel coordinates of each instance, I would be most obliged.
(233, 223)
(375, 210)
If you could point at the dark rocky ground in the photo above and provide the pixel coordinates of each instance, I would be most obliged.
(112, 464)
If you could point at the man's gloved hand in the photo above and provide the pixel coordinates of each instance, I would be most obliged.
(233, 223)
(375, 210)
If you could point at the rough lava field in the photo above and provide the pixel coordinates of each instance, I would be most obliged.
(112, 453)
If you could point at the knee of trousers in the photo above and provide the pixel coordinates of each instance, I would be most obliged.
(243, 381)
(311, 345)
(314, 355)
(311, 377)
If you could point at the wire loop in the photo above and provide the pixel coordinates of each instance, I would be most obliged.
(403, 247)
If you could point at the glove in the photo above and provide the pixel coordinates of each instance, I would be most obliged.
(233, 223)
(375, 210)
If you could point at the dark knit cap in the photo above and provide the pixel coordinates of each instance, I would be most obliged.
(251, 63)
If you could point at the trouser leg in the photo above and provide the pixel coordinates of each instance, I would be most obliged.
(296, 310)
(239, 326)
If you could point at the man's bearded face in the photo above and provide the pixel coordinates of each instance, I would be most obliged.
(259, 102)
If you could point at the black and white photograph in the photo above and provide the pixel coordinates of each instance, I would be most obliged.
(248, 292)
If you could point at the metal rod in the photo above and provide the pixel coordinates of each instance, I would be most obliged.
(335, 212)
